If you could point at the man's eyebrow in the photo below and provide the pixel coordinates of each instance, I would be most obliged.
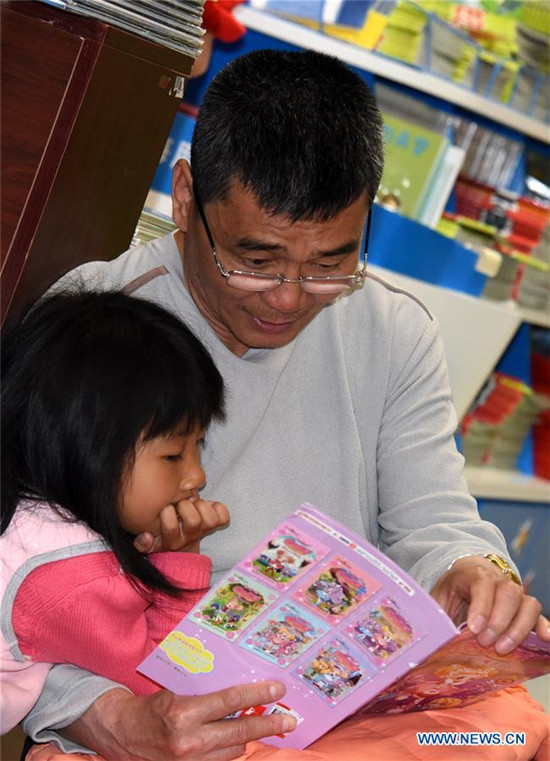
(253, 244)
(346, 248)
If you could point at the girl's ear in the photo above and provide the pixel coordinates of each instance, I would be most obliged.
(182, 193)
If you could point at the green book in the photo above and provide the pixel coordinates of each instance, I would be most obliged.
(413, 155)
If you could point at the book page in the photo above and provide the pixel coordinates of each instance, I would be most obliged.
(315, 606)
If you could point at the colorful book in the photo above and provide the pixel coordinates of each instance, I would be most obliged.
(317, 607)
(346, 13)
(413, 156)
(442, 186)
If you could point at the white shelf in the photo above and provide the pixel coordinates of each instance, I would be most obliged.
(533, 316)
(491, 483)
(475, 332)
(396, 71)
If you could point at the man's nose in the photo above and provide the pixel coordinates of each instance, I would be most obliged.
(287, 298)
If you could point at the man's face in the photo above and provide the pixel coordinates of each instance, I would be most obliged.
(250, 239)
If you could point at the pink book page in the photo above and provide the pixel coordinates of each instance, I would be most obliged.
(460, 673)
(315, 606)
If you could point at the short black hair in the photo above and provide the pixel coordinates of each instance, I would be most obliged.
(85, 377)
(300, 130)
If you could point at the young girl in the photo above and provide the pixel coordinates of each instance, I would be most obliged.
(105, 400)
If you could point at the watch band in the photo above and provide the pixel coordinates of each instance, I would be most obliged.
(504, 567)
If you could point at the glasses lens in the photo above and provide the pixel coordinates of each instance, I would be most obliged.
(326, 286)
(252, 282)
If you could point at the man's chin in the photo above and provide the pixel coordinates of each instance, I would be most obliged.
(272, 342)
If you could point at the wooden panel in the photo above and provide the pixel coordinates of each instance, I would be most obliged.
(45, 69)
(122, 103)
(30, 104)
(106, 171)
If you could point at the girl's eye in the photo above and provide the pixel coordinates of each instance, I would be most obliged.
(173, 457)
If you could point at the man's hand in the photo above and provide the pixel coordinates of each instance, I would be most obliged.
(183, 525)
(495, 608)
(124, 727)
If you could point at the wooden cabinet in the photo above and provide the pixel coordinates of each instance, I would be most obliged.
(86, 110)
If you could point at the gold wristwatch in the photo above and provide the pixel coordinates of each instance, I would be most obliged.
(505, 567)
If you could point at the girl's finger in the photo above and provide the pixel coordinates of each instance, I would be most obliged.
(145, 543)
(223, 514)
(215, 515)
(170, 528)
(190, 517)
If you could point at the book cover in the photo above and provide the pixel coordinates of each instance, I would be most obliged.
(413, 154)
(442, 185)
(314, 606)
(348, 13)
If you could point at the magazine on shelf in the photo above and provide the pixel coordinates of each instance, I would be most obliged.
(173, 23)
(317, 607)
(413, 155)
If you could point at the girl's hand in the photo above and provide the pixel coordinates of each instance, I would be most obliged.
(183, 525)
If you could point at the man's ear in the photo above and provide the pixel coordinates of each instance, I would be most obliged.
(182, 193)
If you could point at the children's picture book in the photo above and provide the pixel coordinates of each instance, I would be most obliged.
(317, 607)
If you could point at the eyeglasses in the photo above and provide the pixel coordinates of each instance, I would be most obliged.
(258, 281)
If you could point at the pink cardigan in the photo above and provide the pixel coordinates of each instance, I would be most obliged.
(66, 600)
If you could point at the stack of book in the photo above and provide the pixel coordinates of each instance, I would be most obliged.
(532, 90)
(491, 157)
(151, 225)
(527, 222)
(495, 429)
(396, 102)
(496, 77)
(513, 226)
(451, 53)
(404, 35)
(534, 49)
(173, 23)
(534, 288)
(421, 163)
(517, 219)
(525, 95)
(417, 35)
(359, 22)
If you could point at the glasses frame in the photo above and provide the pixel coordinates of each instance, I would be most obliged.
(356, 281)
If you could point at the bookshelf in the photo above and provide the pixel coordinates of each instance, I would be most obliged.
(491, 483)
(532, 316)
(461, 316)
(392, 70)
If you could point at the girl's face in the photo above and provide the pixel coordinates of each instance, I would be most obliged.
(165, 470)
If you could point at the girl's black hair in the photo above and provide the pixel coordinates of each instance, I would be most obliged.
(84, 377)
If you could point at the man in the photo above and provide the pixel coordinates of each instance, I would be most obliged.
(337, 388)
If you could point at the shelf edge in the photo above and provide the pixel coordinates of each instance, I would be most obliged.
(511, 486)
(391, 69)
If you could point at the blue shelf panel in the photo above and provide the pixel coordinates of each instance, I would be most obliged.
(405, 246)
